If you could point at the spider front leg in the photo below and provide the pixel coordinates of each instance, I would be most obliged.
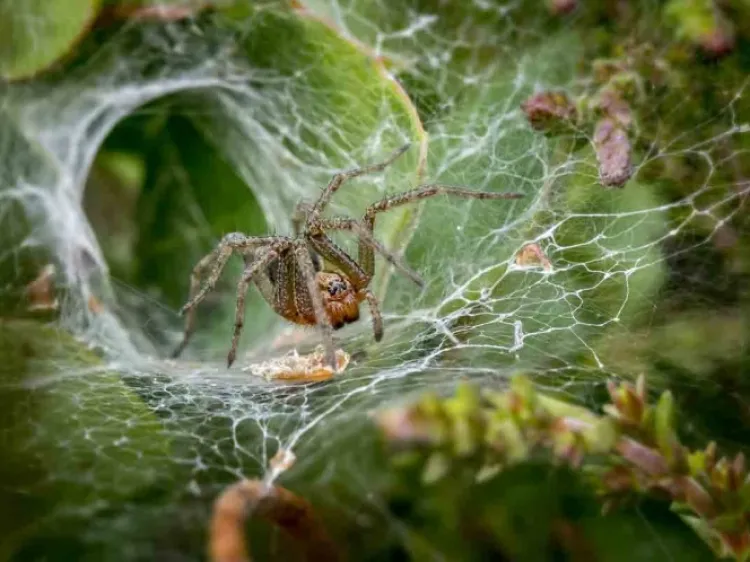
(341, 177)
(366, 255)
(359, 278)
(306, 267)
(377, 317)
(365, 237)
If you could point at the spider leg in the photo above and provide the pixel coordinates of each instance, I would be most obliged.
(340, 223)
(366, 257)
(218, 257)
(306, 267)
(328, 250)
(219, 260)
(252, 268)
(377, 318)
(341, 177)
(223, 252)
(299, 217)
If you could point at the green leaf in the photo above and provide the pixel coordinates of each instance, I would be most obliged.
(67, 431)
(606, 254)
(694, 19)
(664, 424)
(355, 114)
(36, 33)
(606, 268)
(435, 468)
(191, 196)
(536, 512)
(22, 265)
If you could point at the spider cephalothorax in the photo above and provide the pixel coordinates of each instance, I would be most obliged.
(340, 299)
(289, 271)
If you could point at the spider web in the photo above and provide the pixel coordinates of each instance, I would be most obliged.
(284, 126)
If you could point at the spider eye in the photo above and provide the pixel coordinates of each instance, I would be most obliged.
(336, 286)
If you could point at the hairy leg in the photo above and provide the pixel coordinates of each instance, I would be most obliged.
(305, 264)
(252, 268)
(217, 260)
(365, 237)
(329, 251)
(366, 256)
(341, 177)
(377, 318)
(299, 217)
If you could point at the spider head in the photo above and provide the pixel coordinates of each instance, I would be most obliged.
(340, 298)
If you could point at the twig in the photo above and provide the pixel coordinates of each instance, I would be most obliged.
(277, 505)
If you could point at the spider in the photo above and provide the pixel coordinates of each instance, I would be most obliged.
(290, 273)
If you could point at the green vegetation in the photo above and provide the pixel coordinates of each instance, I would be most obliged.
(505, 415)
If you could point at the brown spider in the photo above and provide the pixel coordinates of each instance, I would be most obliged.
(289, 271)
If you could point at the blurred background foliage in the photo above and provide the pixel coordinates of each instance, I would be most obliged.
(163, 188)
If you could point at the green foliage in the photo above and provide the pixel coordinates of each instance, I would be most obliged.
(632, 449)
(166, 228)
(36, 33)
(67, 439)
(699, 22)
(533, 511)
(148, 130)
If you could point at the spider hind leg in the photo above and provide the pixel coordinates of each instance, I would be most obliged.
(214, 262)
